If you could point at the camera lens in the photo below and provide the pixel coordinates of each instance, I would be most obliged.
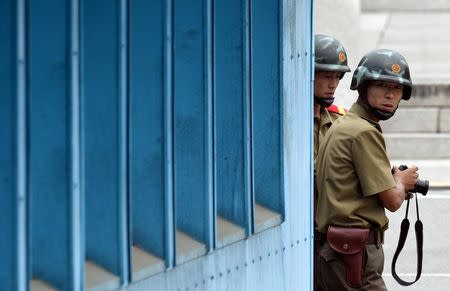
(421, 187)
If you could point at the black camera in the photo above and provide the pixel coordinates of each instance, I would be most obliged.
(421, 185)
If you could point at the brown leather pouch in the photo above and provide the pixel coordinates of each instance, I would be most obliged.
(350, 243)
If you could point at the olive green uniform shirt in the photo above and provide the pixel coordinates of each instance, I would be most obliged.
(352, 167)
(321, 127)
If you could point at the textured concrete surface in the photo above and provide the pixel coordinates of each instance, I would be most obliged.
(444, 121)
(405, 5)
(429, 94)
(418, 145)
(413, 120)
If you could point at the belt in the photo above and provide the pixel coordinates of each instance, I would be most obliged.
(319, 236)
(376, 237)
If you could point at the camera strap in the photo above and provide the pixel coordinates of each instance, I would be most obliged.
(401, 243)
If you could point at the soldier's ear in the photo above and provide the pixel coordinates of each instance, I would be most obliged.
(362, 90)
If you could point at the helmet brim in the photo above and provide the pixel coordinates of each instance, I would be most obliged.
(330, 67)
(376, 77)
(379, 77)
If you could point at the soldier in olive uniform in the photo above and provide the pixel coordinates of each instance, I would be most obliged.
(330, 67)
(354, 177)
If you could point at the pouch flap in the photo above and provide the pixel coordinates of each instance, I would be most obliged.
(347, 240)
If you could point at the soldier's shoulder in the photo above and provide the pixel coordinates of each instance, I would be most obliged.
(336, 110)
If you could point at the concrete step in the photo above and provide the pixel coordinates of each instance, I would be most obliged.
(405, 5)
(422, 36)
(426, 94)
(418, 120)
(418, 145)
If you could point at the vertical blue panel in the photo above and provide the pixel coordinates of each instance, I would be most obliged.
(124, 201)
(230, 99)
(49, 142)
(303, 125)
(191, 101)
(77, 201)
(7, 163)
(209, 140)
(169, 203)
(104, 137)
(146, 127)
(13, 273)
(22, 223)
(249, 199)
(147, 124)
(266, 98)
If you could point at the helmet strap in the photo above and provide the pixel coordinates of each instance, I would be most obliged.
(378, 113)
(381, 114)
(325, 101)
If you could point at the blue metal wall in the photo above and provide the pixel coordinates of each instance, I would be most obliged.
(149, 167)
(126, 121)
(104, 128)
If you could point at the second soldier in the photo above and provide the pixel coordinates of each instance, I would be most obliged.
(329, 68)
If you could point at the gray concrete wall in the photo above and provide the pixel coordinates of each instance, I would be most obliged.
(405, 5)
(341, 19)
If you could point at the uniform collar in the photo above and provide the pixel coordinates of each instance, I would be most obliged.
(325, 117)
(363, 112)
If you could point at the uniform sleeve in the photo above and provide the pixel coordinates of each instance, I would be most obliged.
(371, 163)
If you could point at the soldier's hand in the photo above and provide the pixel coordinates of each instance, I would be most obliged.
(407, 177)
(409, 195)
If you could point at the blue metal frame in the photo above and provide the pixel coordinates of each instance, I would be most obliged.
(305, 58)
(147, 125)
(281, 81)
(124, 199)
(77, 215)
(210, 189)
(13, 154)
(8, 210)
(49, 143)
(231, 147)
(309, 12)
(267, 104)
(191, 119)
(167, 111)
(22, 206)
(168, 137)
(249, 199)
(105, 153)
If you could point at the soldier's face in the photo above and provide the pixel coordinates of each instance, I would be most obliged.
(325, 83)
(384, 95)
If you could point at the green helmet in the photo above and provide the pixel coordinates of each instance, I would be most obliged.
(330, 55)
(383, 65)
